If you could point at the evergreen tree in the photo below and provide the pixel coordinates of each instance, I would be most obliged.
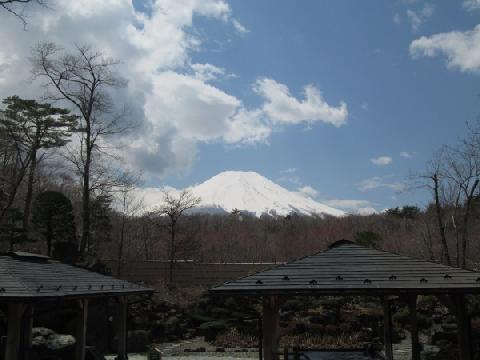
(53, 219)
(34, 126)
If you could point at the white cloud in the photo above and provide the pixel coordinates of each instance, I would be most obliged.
(381, 160)
(471, 5)
(308, 191)
(397, 19)
(359, 207)
(289, 171)
(462, 49)
(239, 27)
(407, 154)
(417, 18)
(282, 108)
(292, 179)
(377, 182)
(171, 97)
(364, 106)
(207, 72)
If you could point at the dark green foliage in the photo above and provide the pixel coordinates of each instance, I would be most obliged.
(26, 127)
(11, 229)
(40, 125)
(406, 212)
(53, 219)
(368, 239)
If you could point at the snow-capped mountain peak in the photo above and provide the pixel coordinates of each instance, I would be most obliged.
(250, 192)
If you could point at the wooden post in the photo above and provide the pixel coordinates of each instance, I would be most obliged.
(260, 338)
(463, 327)
(270, 327)
(412, 307)
(387, 328)
(15, 313)
(27, 331)
(122, 328)
(81, 333)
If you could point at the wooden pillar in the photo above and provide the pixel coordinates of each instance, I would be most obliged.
(15, 313)
(81, 333)
(463, 327)
(122, 328)
(270, 327)
(412, 307)
(387, 328)
(27, 325)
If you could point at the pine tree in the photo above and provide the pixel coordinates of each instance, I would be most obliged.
(33, 127)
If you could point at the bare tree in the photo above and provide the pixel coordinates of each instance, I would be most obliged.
(129, 207)
(433, 179)
(174, 207)
(462, 169)
(17, 7)
(83, 78)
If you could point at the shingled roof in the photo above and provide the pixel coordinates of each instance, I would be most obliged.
(348, 268)
(31, 277)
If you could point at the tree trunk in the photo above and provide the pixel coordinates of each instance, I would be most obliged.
(49, 237)
(29, 195)
(13, 192)
(466, 218)
(172, 252)
(122, 239)
(85, 240)
(441, 226)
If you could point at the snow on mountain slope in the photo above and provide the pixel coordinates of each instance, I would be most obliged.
(250, 192)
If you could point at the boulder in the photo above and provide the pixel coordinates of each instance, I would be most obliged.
(48, 344)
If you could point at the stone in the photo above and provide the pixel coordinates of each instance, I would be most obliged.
(59, 342)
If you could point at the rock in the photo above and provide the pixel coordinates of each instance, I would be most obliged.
(59, 342)
(138, 340)
(42, 331)
(48, 344)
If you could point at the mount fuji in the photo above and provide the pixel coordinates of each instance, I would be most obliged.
(249, 192)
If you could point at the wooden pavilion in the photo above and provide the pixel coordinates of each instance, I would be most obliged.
(28, 279)
(346, 268)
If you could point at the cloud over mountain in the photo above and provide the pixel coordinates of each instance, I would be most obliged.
(176, 102)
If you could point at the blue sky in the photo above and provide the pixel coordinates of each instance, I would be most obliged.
(342, 99)
(356, 52)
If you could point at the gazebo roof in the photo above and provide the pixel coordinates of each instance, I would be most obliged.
(31, 277)
(348, 268)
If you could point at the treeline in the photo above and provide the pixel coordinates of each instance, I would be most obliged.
(243, 238)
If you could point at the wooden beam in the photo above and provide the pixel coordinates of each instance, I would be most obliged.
(463, 327)
(387, 328)
(412, 307)
(122, 331)
(15, 313)
(270, 327)
(81, 333)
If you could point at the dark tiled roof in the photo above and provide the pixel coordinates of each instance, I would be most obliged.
(35, 277)
(348, 268)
